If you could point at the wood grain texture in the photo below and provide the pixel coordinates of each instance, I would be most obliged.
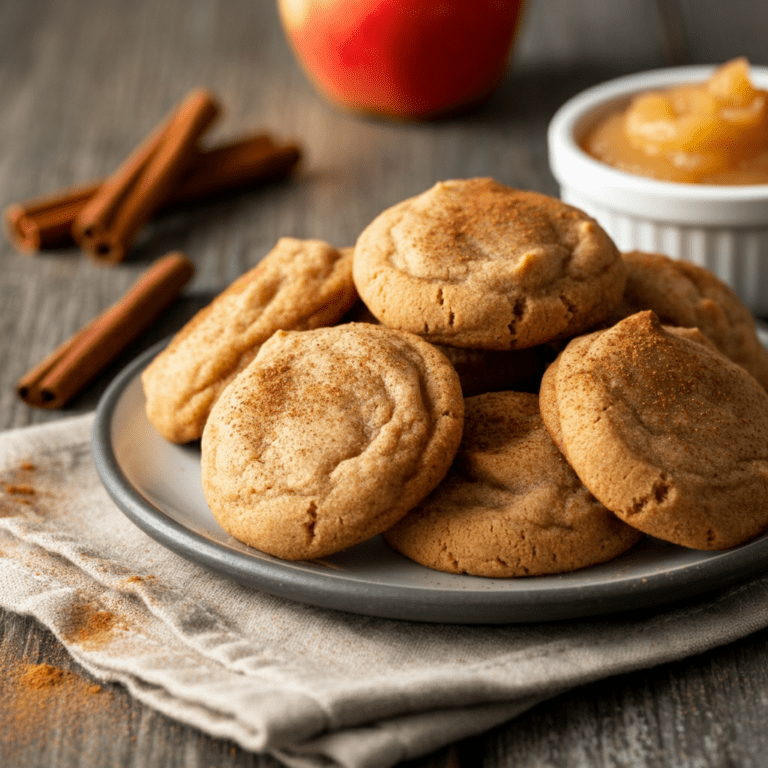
(707, 711)
(82, 84)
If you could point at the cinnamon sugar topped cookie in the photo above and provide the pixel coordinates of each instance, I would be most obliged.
(684, 294)
(299, 284)
(329, 437)
(474, 263)
(664, 430)
(510, 505)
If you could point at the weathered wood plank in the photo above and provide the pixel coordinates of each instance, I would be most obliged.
(82, 83)
(707, 711)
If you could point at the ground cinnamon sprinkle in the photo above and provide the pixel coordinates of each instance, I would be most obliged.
(90, 625)
(139, 579)
(42, 676)
(30, 692)
(19, 488)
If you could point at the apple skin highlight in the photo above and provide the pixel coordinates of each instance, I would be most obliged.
(412, 59)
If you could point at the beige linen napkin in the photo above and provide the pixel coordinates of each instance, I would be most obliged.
(310, 686)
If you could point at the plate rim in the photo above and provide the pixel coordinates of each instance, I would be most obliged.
(329, 589)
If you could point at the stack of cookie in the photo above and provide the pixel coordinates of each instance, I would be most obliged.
(519, 398)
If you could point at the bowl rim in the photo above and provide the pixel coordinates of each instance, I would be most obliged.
(570, 164)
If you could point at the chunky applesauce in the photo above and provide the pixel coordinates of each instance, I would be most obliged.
(714, 132)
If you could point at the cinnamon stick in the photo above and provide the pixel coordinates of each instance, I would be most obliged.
(75, 363)
(107, 224)
(233, 166)
(46, 222)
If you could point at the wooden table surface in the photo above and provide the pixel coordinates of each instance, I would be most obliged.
(81, 83)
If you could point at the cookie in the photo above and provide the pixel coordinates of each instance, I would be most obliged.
(298, 285)
(510, 505)
(547, 392)
(664, 430)
(477, 264)
(684, 294)
(329, 437)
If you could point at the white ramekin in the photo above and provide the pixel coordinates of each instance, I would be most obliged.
(722, 228)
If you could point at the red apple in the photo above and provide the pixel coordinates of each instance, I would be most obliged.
(403, 58)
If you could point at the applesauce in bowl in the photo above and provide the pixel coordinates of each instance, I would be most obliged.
(720, 226)
(713, 132)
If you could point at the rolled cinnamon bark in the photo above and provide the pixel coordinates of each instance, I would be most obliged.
(64, 373)
(106, 226)
(46, 222)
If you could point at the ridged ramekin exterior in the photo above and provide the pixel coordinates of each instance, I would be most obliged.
(738, 256)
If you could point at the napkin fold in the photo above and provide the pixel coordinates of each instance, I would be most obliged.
(311, 686)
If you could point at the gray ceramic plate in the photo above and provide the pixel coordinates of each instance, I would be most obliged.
(157, 485)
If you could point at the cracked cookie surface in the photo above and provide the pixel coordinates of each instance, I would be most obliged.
(329, 437)
(664, 430)
(299, 284)
(510, 505)
(474, 263)
(684, 294)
